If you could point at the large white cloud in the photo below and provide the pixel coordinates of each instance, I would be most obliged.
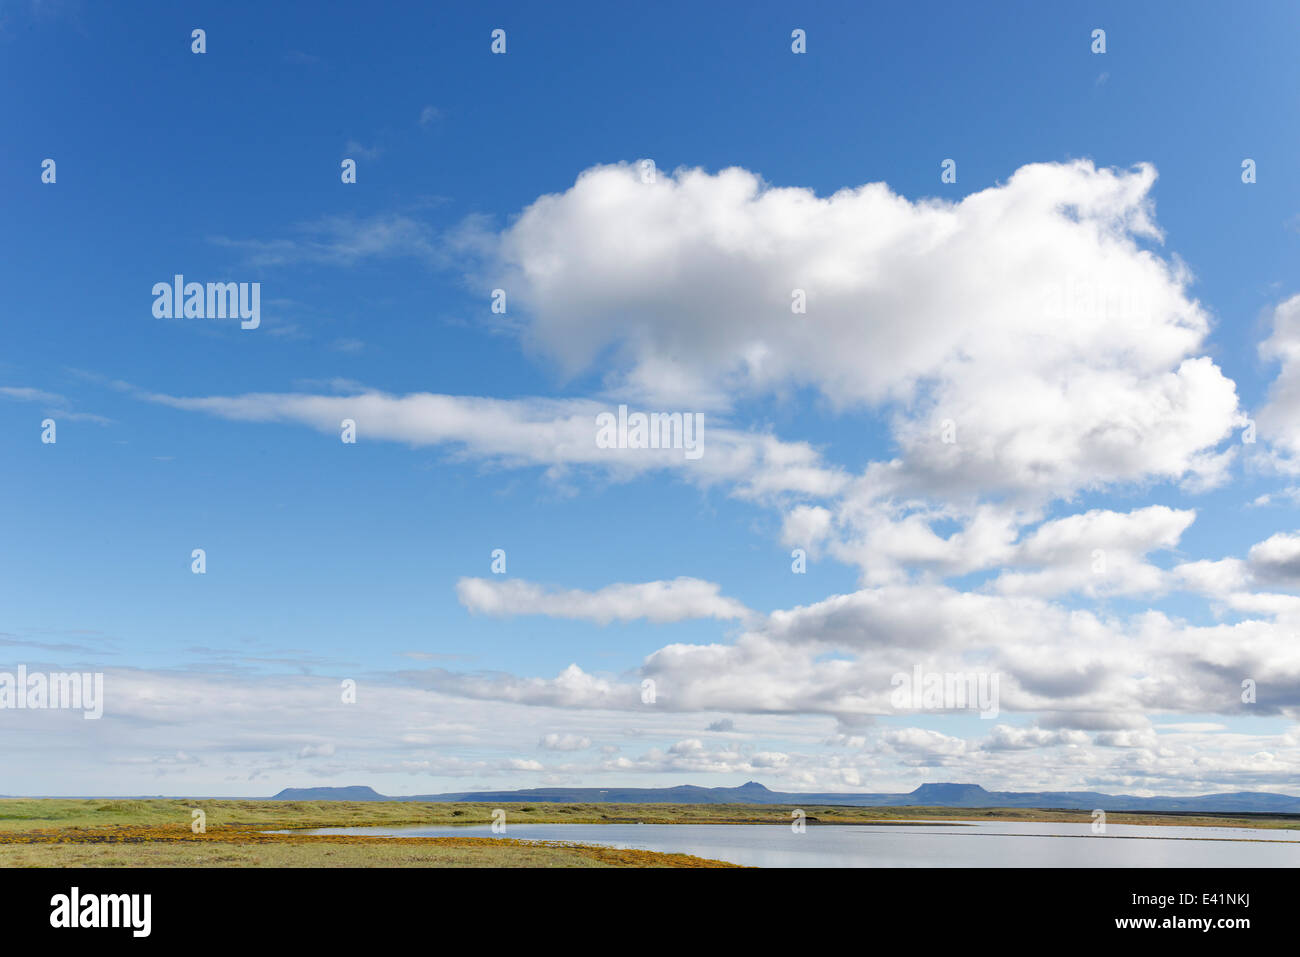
(1033, 315)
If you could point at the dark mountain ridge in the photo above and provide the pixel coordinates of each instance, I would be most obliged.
(927, 795)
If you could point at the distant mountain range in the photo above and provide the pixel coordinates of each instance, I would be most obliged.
(927, 795)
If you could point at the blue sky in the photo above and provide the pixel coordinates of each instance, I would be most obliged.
(328, 561)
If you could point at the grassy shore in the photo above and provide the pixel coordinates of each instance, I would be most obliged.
(157, 833)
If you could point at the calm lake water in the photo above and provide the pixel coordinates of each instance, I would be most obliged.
(935, 844)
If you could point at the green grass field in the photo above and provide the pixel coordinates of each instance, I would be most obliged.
(157, 833)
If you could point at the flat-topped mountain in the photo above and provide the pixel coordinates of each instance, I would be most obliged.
(927, 795)
(949, 794)
(353, 793)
